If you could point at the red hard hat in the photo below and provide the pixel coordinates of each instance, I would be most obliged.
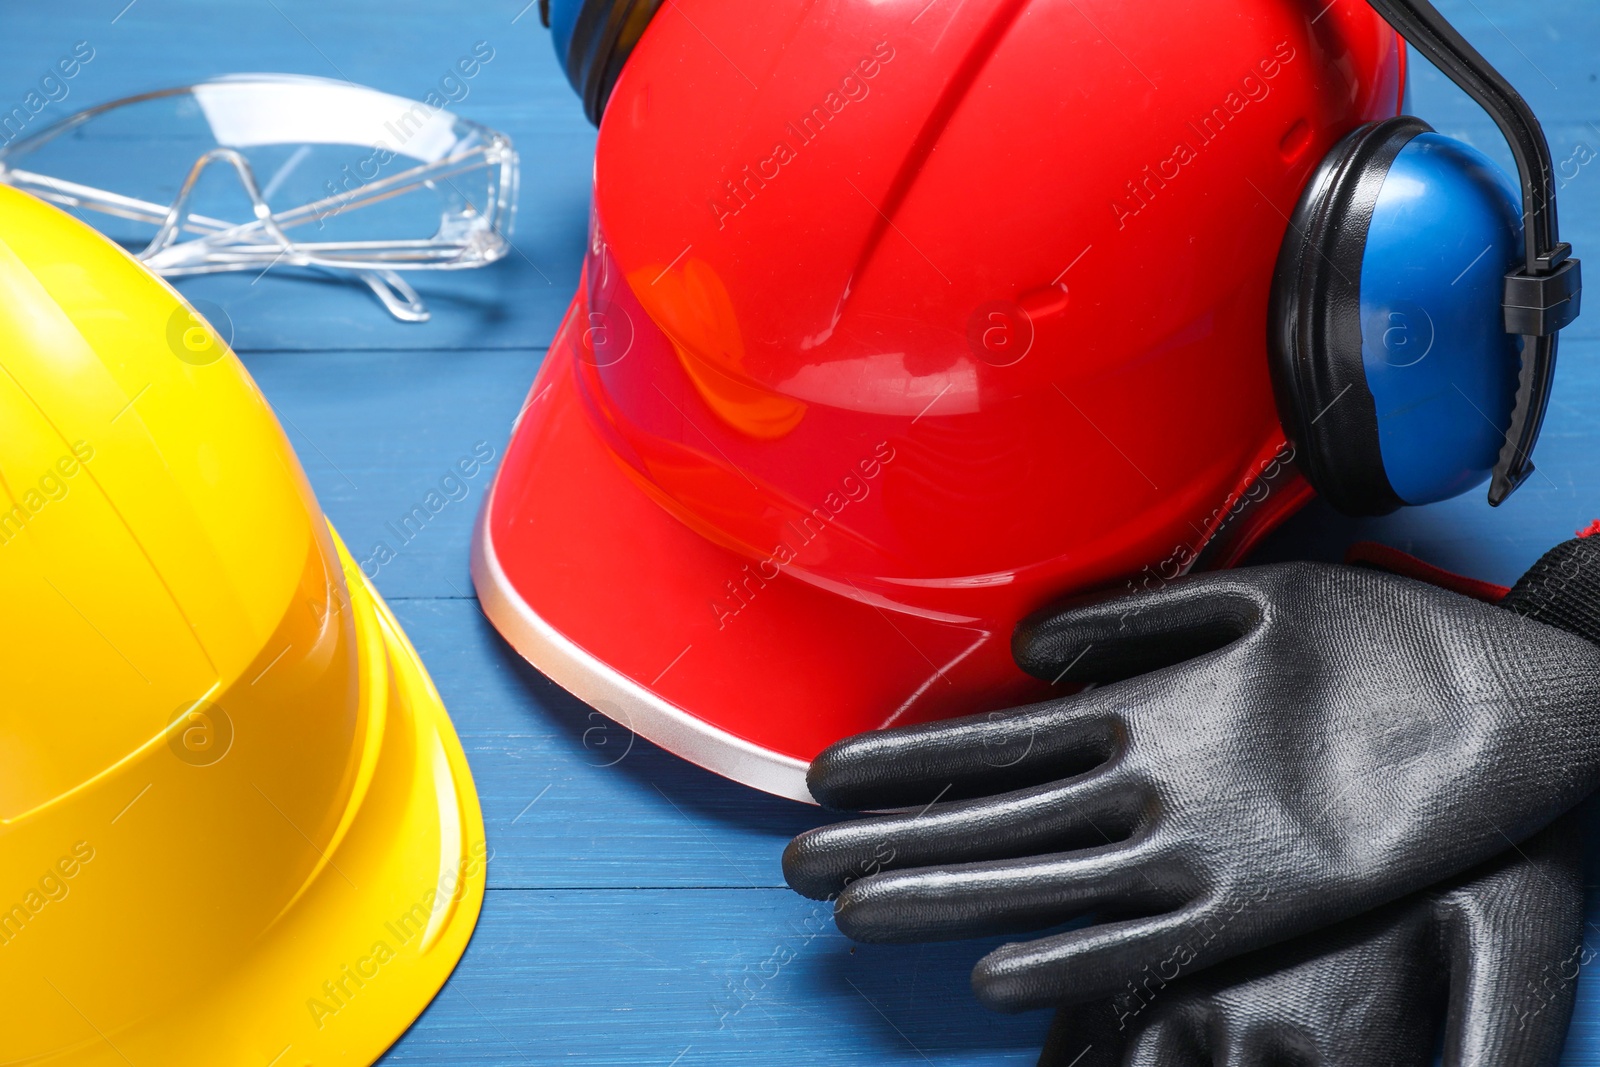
(901, 319)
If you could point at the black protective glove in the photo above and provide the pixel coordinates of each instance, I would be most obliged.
(1282, 747)
(1491, 960)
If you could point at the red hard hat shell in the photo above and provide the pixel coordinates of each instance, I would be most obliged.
(944, 310)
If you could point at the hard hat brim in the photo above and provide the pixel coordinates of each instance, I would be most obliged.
(427, 853)
(373, 935)
(690, 644)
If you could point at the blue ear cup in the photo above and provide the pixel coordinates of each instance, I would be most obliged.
(593, 38)
(1394, 374)
(1440, 365)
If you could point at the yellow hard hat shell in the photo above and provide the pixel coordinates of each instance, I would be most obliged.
(236, 824)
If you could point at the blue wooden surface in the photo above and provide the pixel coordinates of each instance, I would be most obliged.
(636, 913)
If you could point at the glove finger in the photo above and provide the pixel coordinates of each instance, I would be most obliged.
(1109, 639)
(1092, 963)
(1005, 896)
(971, 756)
(1062, 816)
(1517, 933)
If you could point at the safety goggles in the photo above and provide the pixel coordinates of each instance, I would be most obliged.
(287, 171)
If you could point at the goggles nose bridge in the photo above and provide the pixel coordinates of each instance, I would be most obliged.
(393, 291)
(174, 221)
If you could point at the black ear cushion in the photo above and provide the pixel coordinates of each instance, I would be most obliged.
(1314, 321)
(602, 38)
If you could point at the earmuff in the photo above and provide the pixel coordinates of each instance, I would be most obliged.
(593, 39)
(1400, 308)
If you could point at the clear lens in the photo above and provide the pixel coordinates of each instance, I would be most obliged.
(273, 169)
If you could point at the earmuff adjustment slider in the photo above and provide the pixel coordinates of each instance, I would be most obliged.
(1537, 305)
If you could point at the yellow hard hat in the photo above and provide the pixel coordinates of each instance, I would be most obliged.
(236, 824)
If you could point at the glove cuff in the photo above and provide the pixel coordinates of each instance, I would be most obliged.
(1563, 588)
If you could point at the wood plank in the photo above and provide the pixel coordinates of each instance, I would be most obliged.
(693, 978)
(377, 431)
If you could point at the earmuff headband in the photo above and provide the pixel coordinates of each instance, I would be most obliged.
(1543, 296)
